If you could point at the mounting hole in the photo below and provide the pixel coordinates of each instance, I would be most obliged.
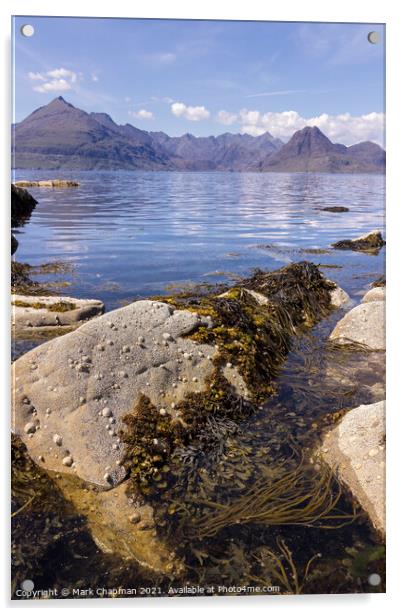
(374, 37)
(374, 579)
(28, 585)
(27, 30)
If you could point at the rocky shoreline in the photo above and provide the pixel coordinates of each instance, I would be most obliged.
(102, 409)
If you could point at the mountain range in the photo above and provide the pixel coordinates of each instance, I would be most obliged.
(61, 136)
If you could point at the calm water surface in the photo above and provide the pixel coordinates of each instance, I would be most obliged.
(129, 234)
(133, 234)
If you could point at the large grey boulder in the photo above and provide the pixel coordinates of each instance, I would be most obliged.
(71, 393)
(38, 312)
(364, 324)
(355, 449)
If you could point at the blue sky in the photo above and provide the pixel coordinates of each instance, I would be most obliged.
(207, 77)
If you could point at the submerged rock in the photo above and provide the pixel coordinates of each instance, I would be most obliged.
(370, 242)
(22, 205)
(47, 183)
(364, 324)
(119, 524)
(33, 312)
(355, 450)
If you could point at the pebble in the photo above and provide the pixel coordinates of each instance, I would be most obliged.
(186, 355)
(57, 440)
(126, 349)
(82, 400)
(141, 339)
(195, 379)
(29, 428)
(162, 412)
(229, 365)
(106, 412)
(107, 477)
(135, 518)
(67, 461)
(373, 452)
(166, 336)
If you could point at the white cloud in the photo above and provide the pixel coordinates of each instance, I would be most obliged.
(55, 80)
(36, 76)
(342, 128)
(56, 85)
(94, 77)
(142, 114)
(226, 117)
(62, 73)
(194, 114)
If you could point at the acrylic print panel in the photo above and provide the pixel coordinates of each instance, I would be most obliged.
(198, 308)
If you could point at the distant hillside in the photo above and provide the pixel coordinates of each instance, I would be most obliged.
(310, 150)
(60, 136)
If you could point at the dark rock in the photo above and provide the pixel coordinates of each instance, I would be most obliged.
(22, 205)
(14, 244)
(335, 208)
(380, 282)
(371, 242)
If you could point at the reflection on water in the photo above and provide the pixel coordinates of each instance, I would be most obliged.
(142, 230)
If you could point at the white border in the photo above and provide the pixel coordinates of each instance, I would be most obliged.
(292, 10)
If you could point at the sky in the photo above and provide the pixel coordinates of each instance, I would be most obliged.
(207, 77)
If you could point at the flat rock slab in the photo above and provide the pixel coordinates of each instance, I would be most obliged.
(377, 294)
(36, 311)
(47, 183)
(71, 393)
(355, 449)
(364, 324)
